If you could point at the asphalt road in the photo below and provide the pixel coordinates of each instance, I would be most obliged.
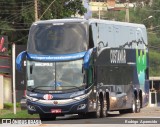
(148, 117)
(147, 114)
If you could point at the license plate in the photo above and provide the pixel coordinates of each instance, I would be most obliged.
(56, 111)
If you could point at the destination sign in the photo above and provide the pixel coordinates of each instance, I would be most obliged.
(117, 56)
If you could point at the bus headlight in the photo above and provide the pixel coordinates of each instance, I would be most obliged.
(80, 97)
(31, 98)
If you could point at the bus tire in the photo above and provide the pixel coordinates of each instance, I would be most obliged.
(98, 112)
(47, 117)
(133, 109)
(104, 108)
(135, 106)
(138, 106)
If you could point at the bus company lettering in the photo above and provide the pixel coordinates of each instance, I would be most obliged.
(118, 56)
(44, 64)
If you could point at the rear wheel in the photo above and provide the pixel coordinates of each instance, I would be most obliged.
(135, 106)
(138, 106)
(133, 110)
(46, 117)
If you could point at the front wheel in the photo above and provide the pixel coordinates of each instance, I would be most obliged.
(98, 113)
(99, 109)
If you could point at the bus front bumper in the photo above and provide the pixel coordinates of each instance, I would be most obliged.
(58, 107)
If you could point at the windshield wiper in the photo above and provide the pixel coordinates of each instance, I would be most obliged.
(33, 89)
(79, 88)
(37, 87)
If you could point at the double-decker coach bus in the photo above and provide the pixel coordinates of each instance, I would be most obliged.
(79, 66)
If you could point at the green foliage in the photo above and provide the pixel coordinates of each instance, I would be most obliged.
(10, 105)
(154, 61)
(18, 15)
(61, 8)
(20, 114)
(153, 40)
(115, 15)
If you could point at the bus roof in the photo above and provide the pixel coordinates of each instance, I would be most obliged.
(90, 21)
(116, 23)
(60, 20)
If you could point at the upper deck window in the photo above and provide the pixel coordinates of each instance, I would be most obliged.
(58, 38)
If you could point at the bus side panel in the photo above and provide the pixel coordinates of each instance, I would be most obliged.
(142, 73)
(117, 80)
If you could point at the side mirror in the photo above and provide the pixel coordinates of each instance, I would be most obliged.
(87, 58)
(19, 60)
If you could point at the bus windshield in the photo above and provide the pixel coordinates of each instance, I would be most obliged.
(52, 76)
(57, 38)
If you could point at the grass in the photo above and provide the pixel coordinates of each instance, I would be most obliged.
(8, 113)
(10, 105)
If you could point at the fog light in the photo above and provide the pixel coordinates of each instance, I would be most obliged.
(32, 108)
(81, 106)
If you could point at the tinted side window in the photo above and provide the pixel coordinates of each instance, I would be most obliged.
(112, 75)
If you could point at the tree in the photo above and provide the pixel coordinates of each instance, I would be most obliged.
(61, 8)
(17, 15)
